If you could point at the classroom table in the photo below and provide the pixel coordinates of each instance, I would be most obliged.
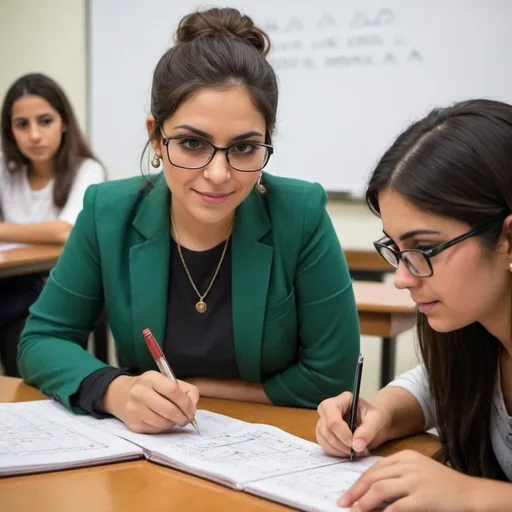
(29, 259)
(386, 312)
(140, 485)
(383, 311)
(367, 264)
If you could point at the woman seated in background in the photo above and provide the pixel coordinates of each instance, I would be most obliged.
(444, 194)
(45, 168)
(239, 274)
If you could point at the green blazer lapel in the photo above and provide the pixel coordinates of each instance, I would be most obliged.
(149, 270)
(251, 266)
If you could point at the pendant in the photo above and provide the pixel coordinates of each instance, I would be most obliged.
(201, 306)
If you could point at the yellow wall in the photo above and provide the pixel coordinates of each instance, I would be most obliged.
(47, 36)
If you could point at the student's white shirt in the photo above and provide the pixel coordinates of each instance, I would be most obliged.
(416, 382)
(20, 204)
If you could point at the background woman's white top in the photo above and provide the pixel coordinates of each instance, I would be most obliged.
(22, 205)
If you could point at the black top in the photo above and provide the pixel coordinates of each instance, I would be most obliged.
(195, 344)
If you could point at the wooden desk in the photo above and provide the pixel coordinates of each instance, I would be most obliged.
(140, 485)
(386, 312)
(29, 259)
(366, 260)
(382, 311)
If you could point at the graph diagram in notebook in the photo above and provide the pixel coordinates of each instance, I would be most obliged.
(29, 433)
(257, 449)
(323, 483)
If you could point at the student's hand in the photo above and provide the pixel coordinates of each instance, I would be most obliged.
(333, 431)
(413, 483)
(151, 403)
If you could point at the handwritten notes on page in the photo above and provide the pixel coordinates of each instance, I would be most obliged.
(313, 490)
(229, 451)
(43, 436)
(259, 459)
(247, 454)
(209, 423)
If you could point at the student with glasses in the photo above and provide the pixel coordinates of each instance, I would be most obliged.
(238, 274)
(444, 194)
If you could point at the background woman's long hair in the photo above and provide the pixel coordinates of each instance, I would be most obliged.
(457, 162)
(73, 149)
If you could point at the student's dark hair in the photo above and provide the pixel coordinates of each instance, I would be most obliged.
(215, 48)
(457, 162)
(73, 149)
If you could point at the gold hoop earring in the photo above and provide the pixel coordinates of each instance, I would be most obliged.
(260, 188)
(156, 161)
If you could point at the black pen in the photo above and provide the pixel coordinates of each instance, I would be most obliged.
(355, 399)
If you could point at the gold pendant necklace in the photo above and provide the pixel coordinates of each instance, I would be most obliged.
(201, 306)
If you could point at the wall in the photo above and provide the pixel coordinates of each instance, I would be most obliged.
(50, 36)
(47, 36)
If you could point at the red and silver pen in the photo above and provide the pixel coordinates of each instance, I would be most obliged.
(162, 363)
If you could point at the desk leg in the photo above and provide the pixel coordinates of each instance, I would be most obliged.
(387, 368)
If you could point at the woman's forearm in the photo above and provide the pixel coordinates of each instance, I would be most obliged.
(231, 390)
(490, 495)
(51, 232)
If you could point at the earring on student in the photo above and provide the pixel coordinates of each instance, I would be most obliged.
(260, 188)
(510, 267)
(156, 161)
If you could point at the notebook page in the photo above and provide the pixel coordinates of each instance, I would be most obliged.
(315, 490)
(229, 451)
(209, 423)
(239, 456)
(44, 436)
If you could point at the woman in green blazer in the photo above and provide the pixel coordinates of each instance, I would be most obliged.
(239, 274)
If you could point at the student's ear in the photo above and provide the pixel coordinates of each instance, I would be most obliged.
(153, 133)
(504, 245)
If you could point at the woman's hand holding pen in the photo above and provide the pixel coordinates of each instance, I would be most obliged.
(333, 431)
(151, 403)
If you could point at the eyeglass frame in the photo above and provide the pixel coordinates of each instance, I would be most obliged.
(426, 253)
(166, 140)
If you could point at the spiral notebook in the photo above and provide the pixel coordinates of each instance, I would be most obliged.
(259, 459)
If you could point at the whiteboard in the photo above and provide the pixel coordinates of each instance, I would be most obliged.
(352, 74)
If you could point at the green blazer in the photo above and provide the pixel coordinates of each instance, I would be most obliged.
(295, 320)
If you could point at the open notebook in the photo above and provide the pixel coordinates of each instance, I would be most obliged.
(258, 459)
(43, 436)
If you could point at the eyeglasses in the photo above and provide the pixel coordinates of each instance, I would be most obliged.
(191, 152)
(418, 261)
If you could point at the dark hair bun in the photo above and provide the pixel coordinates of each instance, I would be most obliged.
(222, 22)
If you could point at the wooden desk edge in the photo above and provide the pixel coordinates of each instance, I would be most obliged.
(29, 259)
(366, 261)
